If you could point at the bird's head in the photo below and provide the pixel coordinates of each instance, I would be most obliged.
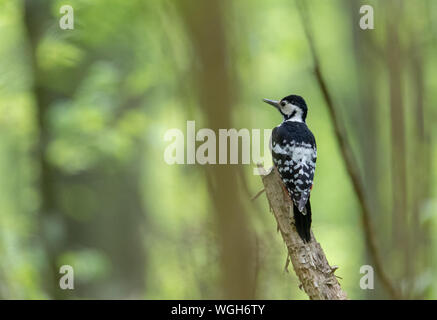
(292, 107)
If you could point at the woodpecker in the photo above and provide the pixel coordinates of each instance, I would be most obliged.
(294, 155)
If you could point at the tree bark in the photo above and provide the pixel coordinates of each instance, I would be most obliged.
(308, 259)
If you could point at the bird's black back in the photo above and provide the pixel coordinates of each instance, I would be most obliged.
(293, 130)
(294, 155)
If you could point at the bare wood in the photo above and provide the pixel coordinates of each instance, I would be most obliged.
(309, 261)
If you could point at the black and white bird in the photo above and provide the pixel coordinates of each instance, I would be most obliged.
(294, 155)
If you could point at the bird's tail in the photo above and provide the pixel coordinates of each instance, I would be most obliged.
(303, 222)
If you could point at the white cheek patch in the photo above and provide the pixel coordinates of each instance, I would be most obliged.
(287, 109)
(291, 108)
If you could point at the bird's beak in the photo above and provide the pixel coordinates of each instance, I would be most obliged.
(272, 102)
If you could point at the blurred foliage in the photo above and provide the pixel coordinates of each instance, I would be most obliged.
(134, 227)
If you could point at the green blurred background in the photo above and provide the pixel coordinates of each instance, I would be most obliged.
(83, 114)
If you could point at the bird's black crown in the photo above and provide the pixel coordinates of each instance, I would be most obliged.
(298, 101)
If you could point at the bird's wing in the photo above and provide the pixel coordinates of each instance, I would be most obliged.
(295, 160)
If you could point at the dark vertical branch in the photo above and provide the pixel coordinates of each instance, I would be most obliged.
(349, 159)
(36, 15)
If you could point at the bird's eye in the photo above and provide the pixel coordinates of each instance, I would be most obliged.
(283, 104)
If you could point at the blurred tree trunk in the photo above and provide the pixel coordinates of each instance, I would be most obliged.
(367, 110)
(36, 17)
(421, 145)
(409, 187)
(366, 119)
(114, 229)
(395, 62)
(205, 21)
